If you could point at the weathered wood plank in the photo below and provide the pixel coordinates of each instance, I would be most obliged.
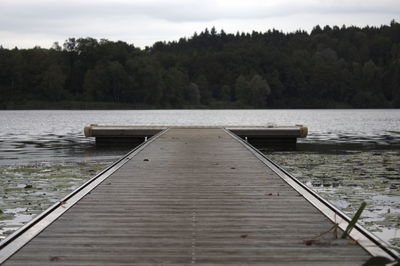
(193, 196)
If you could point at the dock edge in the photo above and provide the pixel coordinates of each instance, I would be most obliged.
(372, 244)
(17, 240)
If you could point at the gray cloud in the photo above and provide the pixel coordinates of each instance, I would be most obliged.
(142, 18)
(185, 10)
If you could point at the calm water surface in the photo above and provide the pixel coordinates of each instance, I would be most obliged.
(350, 156)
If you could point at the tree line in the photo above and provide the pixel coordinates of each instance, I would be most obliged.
(330, 67)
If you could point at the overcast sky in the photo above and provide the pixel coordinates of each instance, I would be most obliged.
(26, 23)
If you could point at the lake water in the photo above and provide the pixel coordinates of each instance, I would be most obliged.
(350, 156)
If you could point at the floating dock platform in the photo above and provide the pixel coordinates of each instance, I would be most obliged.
(259, 136)
(191, 196)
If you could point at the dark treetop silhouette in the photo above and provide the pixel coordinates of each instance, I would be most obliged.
(329, 68)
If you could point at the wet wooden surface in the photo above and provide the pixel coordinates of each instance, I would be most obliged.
(193, 196)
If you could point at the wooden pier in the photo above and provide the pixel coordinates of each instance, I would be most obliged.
(190, 196)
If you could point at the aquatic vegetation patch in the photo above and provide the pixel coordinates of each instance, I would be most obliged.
(348, 178)
(27, 190)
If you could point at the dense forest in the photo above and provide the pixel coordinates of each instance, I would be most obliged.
(339, 67)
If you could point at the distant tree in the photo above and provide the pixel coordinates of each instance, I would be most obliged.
(225, 93)
(213, 31)
(371, 79)
(118, 80)
(70, 45)
(56, 46)
(175, 82)
(242, 90)
(316, 30)
(106, 82)
(95, 83)
(330, 67)
(53, 82)
(147, 85)
(259, 91)
(205, 94)
(277, 88)
(193, 94)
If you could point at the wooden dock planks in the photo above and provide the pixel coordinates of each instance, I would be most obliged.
(193, 196)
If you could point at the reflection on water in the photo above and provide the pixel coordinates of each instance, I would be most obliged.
(58, 135)
(349, 156)
(381, 139)
(54, 148)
